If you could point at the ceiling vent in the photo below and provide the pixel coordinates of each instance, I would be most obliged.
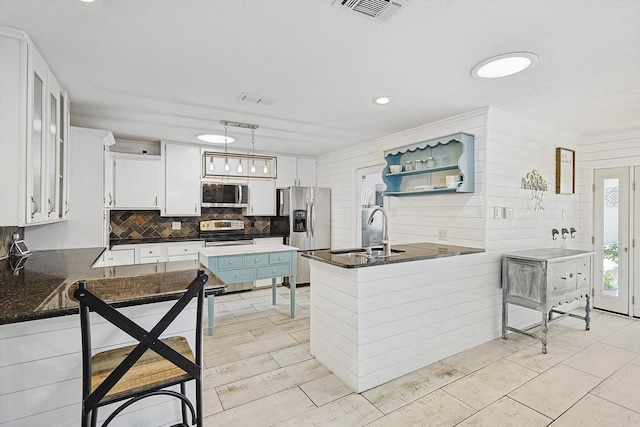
(375, 10)
(256, 99)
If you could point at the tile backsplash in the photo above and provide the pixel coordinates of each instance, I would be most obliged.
(5, 239)
(149, 224)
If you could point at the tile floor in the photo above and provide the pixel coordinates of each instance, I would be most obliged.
(260, 373)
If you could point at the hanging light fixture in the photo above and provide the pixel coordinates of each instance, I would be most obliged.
(253, 150)
(239, 169)
(226, 159)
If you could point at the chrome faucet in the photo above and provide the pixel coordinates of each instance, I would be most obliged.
(386, 245)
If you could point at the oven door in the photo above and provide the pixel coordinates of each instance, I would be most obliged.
(217, 195)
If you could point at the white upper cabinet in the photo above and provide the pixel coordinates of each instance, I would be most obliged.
(306, 172)
(181, 163)
(262, 198)
(107, 181)
(136, 181)
(293, 171)
(34, 124)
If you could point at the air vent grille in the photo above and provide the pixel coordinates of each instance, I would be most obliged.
(256, 99)
(377, 10)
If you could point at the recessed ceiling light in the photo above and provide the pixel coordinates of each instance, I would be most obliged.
(382, 100)
(504, 65)
(214, 139)
(87, 1)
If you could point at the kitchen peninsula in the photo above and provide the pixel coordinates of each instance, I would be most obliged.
(40, 348)
(374, 319)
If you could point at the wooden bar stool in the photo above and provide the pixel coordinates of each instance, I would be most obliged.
(138, 371)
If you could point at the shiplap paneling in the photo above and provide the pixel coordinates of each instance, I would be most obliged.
(41, 367)
(337, 170)
(517, 146)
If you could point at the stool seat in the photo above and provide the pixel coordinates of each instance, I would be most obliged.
(150, 371)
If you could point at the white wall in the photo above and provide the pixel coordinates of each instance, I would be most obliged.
(516, 147)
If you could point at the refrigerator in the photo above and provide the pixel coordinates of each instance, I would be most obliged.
(309, 212)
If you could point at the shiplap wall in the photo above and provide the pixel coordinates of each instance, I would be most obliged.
(41, 369)
(516, 147)
(507, 147)
(412, 219)
(620, 149)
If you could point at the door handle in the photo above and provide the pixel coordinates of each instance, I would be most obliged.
(313, 217)
(308, 217)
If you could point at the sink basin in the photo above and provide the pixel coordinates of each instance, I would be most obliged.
(376, 252)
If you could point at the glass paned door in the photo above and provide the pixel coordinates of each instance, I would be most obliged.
(611, 239)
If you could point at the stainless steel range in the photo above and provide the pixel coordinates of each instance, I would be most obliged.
(226, 233)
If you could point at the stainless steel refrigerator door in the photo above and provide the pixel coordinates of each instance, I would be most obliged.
(299, 200)
(320, 215)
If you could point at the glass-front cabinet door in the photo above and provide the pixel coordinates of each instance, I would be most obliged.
(53, 152)
(37, 209)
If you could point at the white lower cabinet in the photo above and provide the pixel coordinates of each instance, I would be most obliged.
(115, 257)
(150, 253)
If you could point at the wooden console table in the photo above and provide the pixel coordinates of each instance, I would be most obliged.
(542, 279)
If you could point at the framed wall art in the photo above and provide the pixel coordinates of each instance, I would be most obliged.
(565, 171)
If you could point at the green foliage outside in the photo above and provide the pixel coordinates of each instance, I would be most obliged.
(608, 282)
(611, 251)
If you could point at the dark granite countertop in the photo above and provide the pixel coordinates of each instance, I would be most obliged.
(195, 238)
(406, 253)
(41, 288)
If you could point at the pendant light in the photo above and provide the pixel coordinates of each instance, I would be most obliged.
(239, 169)
(226, 159)
(253, 150)
(265, 169)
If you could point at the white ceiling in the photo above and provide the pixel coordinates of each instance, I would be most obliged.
(170, 69)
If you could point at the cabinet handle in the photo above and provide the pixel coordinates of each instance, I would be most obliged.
(185, 249)
(230, 262)
(279, 258)
(110, 199)
(195, 208)
(256, 260)
(155, 201)
(50, 207)
(274, 271)
(237, 275)
(35, 206)
(66, 211)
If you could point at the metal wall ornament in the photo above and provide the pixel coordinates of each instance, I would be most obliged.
(537, 184)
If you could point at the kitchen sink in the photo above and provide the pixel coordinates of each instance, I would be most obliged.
(376, 252)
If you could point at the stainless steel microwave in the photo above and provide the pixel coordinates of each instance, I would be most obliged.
(218, 195)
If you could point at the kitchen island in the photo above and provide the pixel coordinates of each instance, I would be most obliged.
(241, 263)
(40, 348)
(374, 319)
